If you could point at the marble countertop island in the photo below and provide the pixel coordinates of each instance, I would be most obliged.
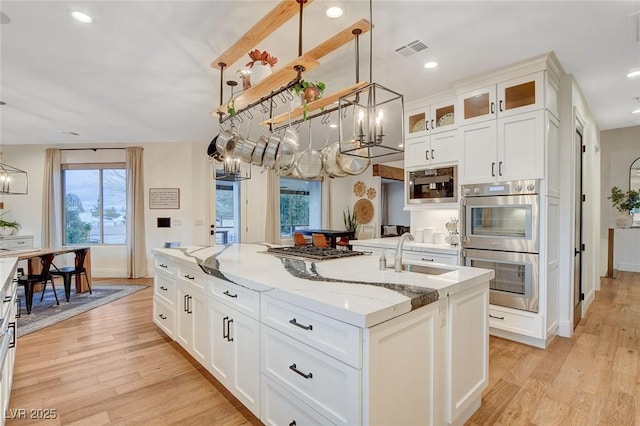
(351, 289)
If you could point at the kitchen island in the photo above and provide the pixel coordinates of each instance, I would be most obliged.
(329, 342)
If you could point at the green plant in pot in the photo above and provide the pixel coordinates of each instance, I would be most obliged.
(8, 227)
(308, 92)
(624, 202)
(350, 221)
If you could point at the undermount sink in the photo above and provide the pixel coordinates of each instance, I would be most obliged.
(425, 269)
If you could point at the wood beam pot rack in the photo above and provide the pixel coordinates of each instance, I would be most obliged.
(289, 76)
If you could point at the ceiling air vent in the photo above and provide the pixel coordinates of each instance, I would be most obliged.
(412, 48)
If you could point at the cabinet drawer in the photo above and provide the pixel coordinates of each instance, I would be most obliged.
(194, 276)
(16, 243)
(164, 265)
(329, 386)
(163, 316)
(339, 340)
(519, 322)
(165, 287)
(423, 256)
(280, 408)
(240, 298)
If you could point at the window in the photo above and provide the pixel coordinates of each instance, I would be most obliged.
(227, 212)
(95, 203)
(300, 205)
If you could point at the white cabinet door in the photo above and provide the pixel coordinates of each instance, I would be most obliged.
(235, 345)
(192, 331)
(442, 116)
(445, 147)
(520, 95)
(521, 140)
(467, 333)
(184, 335)
(477, 105)
(417, 121)
(416, 152)
(198, 306)
(479, 147)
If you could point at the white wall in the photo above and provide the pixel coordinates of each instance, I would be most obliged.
(619, 149)
(172, 165)
(342, 196)
(573, 107)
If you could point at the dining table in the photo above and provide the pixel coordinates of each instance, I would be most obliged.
(332, 235)
(33, 257)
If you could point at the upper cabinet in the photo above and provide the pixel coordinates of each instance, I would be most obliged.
(435, 118)
(514, 96)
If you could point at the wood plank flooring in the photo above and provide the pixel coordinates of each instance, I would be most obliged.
(112, 365)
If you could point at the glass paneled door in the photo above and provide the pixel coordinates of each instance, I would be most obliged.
(224, 211)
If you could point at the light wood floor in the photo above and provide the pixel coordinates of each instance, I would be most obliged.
(112, 365)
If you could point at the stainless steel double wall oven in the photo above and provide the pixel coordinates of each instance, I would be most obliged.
(500, 231)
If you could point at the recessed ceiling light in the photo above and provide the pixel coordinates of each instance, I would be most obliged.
(431, 64)
(637, 111)
(334, 12)
(633, 74)
(400, 145)
(333, 125)
(81, 17)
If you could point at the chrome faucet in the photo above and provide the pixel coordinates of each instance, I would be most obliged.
(398, 259)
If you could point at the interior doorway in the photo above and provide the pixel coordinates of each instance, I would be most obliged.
(224, 210)
(578, 227)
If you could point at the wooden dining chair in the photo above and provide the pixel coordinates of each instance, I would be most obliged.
(319, 240)
(299, 240)
(30, 280)
(67, 272)
(343, 243)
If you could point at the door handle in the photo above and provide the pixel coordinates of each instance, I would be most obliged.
(426, 154)
(500, 107)
(500, 168)
(493, 169)
(433, 157)
(493, 107)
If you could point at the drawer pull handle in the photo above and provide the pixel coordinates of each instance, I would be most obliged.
(226, 329)
(226, 293)
(427, 260)
(189, 277)
(162, 265)
(293, 423)
(163, 288)
(297, 324)
(6, 299)
(294, 368)
(496, 317)
(162, 316)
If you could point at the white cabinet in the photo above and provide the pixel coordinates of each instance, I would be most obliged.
(164, 295)
(514, 96)
(430, 135)
(466, 376)
(510, 148)
(427, 256)
(235, 345)
(192, 331)
(13, 242)
(8, 336)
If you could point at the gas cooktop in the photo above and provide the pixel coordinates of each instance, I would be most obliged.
(317, 253)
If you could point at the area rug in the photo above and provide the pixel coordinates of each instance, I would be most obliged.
(46, 313)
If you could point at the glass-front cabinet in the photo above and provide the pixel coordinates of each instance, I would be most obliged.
(431, 119)
(510, 97)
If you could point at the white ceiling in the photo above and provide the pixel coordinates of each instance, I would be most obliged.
(141, 71)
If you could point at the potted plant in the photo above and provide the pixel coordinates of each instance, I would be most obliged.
(624, 202)
(308, 92)
(8, 227)
(350, 221)
(260, 65)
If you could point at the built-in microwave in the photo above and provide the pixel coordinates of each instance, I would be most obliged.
(436, 185)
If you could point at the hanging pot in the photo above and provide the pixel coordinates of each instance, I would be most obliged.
(329, 159)
(246, 153)
(258, 153)
(225, 143)
(271, 152)
(351, 164)
(309, 163)
(212, 150)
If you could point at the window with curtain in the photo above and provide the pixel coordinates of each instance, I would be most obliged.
(300, 205)
(95, 203)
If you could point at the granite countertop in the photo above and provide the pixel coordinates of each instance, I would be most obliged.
(392, 243)
(351, 289)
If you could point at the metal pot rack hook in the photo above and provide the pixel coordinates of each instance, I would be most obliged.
(249, 114)
(289, 95)
(326, 118)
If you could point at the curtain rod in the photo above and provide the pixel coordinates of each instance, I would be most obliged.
(87, 149)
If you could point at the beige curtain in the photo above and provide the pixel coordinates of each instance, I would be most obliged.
(136, 248)
(272, 225)
(52, 200)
